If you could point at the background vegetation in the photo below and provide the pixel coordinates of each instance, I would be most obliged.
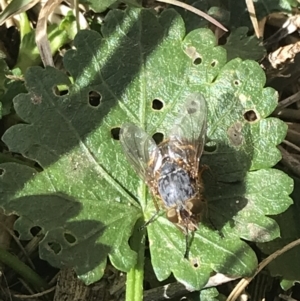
(72, 206)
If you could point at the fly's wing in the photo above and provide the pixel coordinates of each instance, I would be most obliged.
(140, 149)
(187, 137)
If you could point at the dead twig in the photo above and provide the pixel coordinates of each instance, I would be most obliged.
(245, 281)
(195, 11)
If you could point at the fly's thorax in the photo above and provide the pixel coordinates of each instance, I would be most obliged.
(169, 167)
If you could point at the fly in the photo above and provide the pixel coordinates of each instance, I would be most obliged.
(172, 169)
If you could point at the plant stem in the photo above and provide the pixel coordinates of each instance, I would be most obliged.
(24, 270)
(135, 277)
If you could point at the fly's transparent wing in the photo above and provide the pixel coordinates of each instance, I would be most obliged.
(139, 149)
(187, 137)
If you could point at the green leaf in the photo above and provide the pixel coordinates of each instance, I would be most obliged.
(240, 15)
(58, 35)
(193, 21)
(286, 264)
(239, 44)
(22, 269)
(265, 190)
(14, 85)
(4, 71)
(210, 294)
(209, 251)
(101, 6)
(287, 284)
(88, 199)
(11, 84)
(16, 7)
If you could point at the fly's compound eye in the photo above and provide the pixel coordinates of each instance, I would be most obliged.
(172, 215)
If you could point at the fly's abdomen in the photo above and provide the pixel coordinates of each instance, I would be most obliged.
(174, 185)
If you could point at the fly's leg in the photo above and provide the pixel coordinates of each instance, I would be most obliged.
(202, 169)
(155, 203)
(150, 220)
(189, 237)
(187, 247)
(153, 216)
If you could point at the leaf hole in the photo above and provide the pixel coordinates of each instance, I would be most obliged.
(2, 172)
(213, 63)
(115, 133)
(35, 230)
(250, 116)
(197, 61)
(55, 247)
(70, 238)
(195, 263)
(60, 91)
(210, 147)
(157, 104)
(94, 98)
(37, 165)
(158, 137)
(237, 83)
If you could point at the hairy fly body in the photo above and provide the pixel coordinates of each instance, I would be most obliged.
(171, 169)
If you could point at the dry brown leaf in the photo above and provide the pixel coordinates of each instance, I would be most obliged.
(41, 37)
(284, 54)
(195, 11)
(253, 18)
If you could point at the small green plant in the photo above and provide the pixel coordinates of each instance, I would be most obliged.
(89, 202)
